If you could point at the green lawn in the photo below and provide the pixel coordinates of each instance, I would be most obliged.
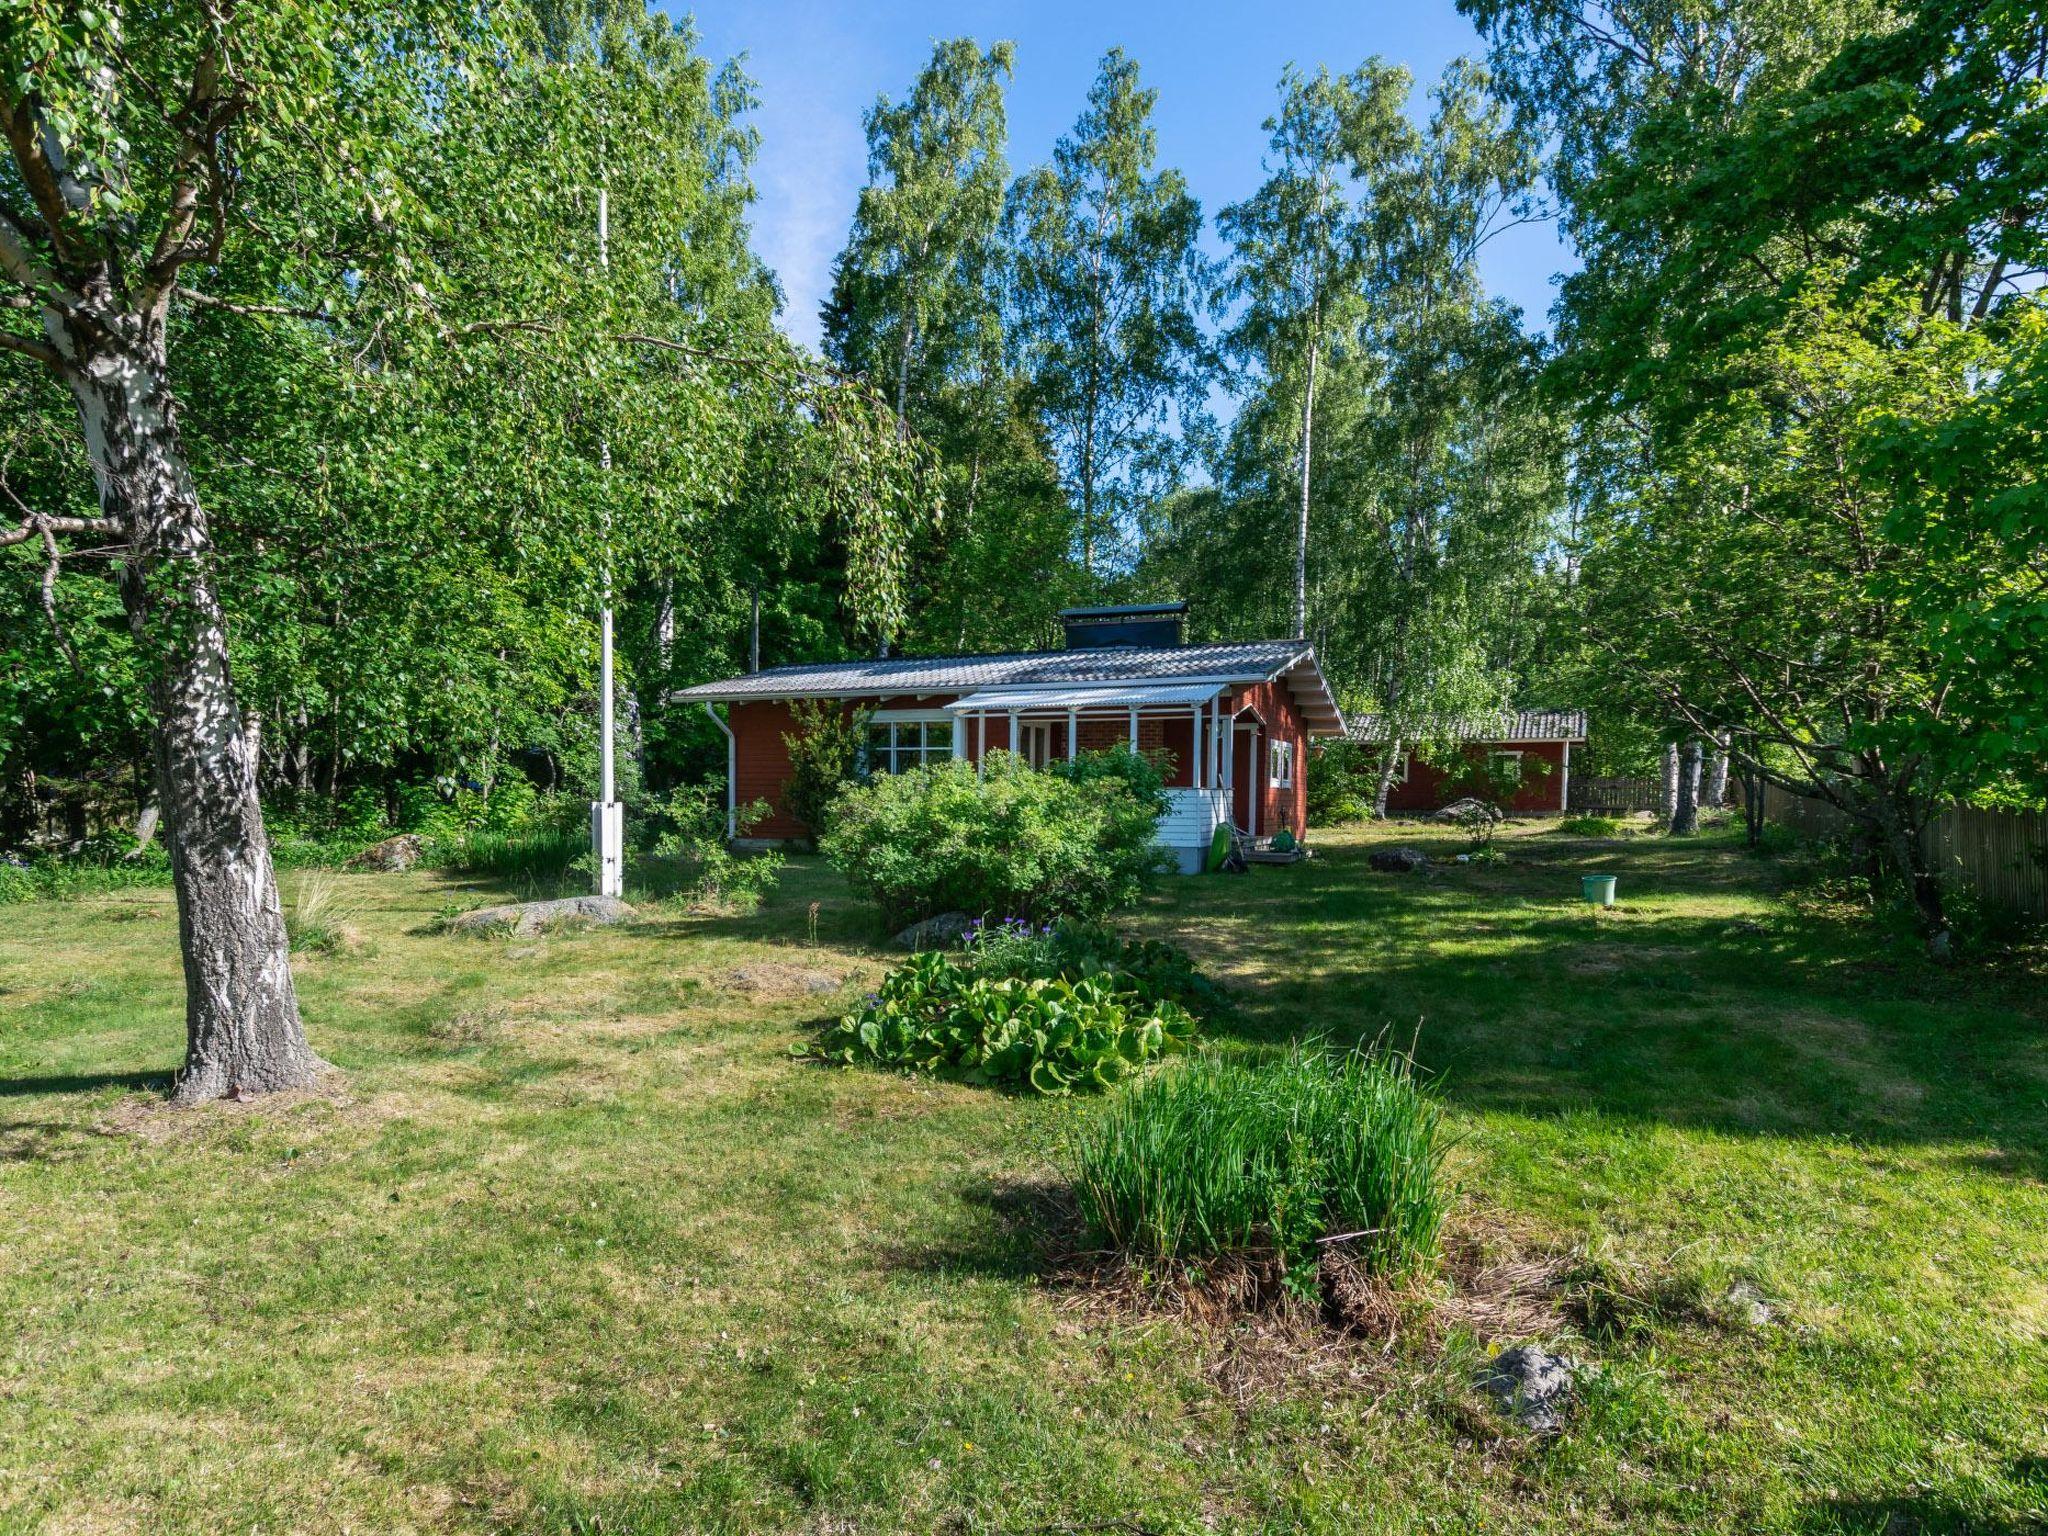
(580, 1248)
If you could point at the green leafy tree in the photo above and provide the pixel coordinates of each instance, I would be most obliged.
(1107, 286)
(370, 237)
(1806, 360)
(915, 297)
(1298, 247)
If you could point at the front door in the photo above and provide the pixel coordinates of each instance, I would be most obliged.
(1035, 742)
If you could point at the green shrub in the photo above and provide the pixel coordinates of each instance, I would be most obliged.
(935, 1013)
(1142, 775)
(1589, 826)
(823, 751)
(687, 834)
(1215, 1159)
(1342, 781)
(1012, 841)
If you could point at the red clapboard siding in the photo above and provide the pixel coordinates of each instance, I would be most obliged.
(1540, 792)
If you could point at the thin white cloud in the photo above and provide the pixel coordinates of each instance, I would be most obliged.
(814, 82)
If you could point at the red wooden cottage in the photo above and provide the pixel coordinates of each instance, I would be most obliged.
(1235, 720)
(1539, 742)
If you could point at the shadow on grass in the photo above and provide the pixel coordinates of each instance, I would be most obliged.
(83, 1082)
(1700, 1002)
(1020, 1229)
(1917, 1515)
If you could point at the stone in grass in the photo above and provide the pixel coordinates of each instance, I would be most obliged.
(1468, 809)
(1399, 861)
(527, 918)
(1531, 1385)
(393, 856)
(1747, 1306)
(941, 932)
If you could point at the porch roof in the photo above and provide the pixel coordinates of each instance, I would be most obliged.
(1103, 696)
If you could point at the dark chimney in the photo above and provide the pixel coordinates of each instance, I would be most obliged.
(1134, 624)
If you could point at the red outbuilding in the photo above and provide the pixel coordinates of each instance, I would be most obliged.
(1234, 720)
(1536, 743)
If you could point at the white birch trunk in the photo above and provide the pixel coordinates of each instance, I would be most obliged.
(1685, 813)
(242, 1029)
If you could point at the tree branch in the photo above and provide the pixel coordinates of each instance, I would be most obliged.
(39, 525)
(28, 346)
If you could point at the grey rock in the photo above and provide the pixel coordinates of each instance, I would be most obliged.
(1531, 1385)
(1399, 861)
(393, 856)
(1467, 809)
(941, 932)
(527, 918)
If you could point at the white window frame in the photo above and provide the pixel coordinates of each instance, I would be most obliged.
(1503, 752)
(917, 722)
(1280, 764)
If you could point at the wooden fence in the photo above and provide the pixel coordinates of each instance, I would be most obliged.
(2001, 855)
(1620, 796)
(1616, 795)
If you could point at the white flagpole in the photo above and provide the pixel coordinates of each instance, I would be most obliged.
(607, 816)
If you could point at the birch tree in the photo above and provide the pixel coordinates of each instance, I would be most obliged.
(917, 288)
(408, 195)
(1108, 282)
(1298, 245)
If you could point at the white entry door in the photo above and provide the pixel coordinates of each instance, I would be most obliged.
(1034, 739)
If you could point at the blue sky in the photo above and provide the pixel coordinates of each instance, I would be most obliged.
(819, 65)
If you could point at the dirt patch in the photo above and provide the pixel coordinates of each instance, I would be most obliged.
(778, 979)
(1347, 1330)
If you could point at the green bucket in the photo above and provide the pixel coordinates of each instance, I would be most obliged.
(1599, 889)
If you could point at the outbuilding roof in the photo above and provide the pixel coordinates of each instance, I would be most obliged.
(1525, 725)
(1236, 662)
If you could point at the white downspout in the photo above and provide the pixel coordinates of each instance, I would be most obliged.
(732, 773)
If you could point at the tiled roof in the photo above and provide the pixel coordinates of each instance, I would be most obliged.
(1252, 661)
(1516, 725)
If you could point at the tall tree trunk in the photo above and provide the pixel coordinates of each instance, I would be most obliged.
(1899, 834)
(1717, 773)
(1670, 784)
(1388, 762)
(1685, 815)
(242, 1030)
(1308, 421)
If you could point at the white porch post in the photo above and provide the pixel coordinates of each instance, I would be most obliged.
(1215, 741)
(959, 737)
(1134, 729)
(980, 742)
(1564, 789)
(1195, 742)
(1073, 734)
(1014, 747)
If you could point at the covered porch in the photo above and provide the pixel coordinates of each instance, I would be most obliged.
(1213, 749)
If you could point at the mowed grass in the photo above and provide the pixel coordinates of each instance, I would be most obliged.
(577, 1247)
